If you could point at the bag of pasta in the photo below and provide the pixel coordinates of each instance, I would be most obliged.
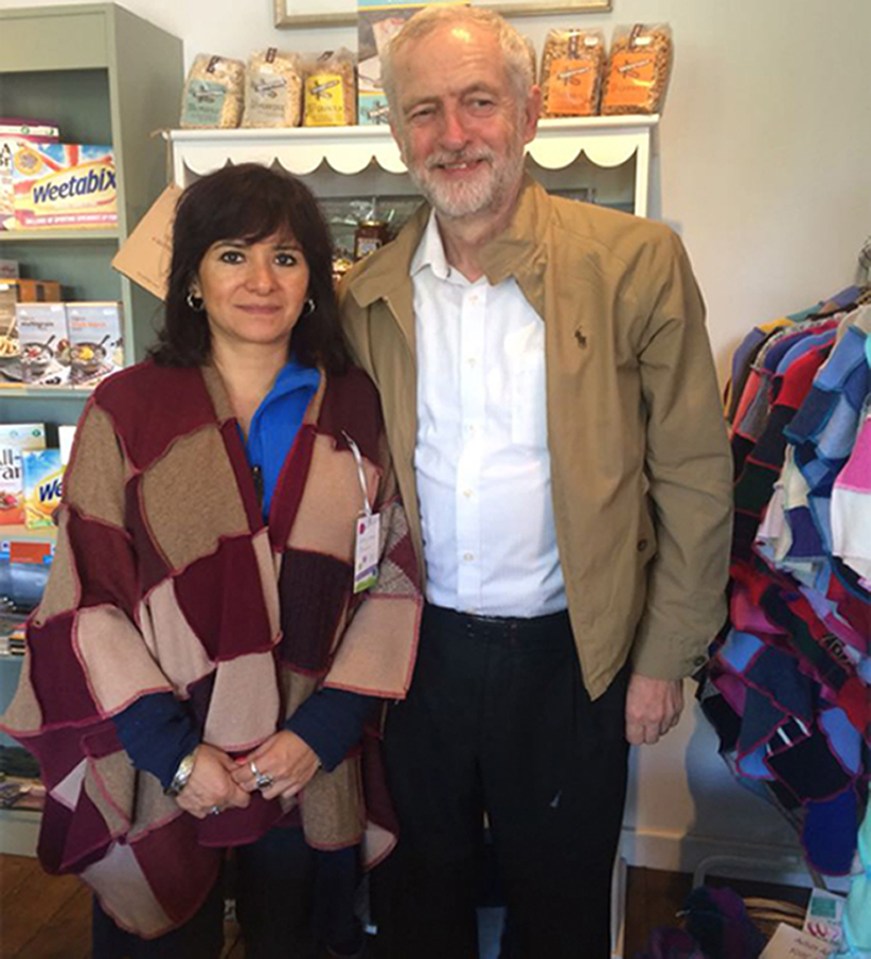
(273, 90)
(638, 69)
(572, 67)
(331, 90)
(212, 95)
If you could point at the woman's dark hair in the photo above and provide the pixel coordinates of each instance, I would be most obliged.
(249, 202)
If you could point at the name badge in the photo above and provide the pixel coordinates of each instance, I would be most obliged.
(366, 546)
(367, 536)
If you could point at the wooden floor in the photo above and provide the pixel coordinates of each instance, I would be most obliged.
(48, 917)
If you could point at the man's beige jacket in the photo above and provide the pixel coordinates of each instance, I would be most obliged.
(640, 464)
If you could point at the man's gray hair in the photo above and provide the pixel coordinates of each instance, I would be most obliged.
(516, 49)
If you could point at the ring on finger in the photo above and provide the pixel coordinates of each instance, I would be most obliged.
(264, 780)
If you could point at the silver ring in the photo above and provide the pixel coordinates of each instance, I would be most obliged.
(215, 811)
(264, 780)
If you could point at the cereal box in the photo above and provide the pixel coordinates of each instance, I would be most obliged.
(96, 341)
(64, 185)
(44, 350)
(15, 133)
(15, 438)
(43, 473)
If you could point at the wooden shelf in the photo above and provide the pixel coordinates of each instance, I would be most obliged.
(57, 236)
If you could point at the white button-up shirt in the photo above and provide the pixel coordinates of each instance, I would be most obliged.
(481, 459)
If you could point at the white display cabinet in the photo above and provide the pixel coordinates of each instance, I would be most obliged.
(608, 155)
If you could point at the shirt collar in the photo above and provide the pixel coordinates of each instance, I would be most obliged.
(430, 251)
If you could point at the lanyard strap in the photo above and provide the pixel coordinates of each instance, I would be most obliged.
(361, 475)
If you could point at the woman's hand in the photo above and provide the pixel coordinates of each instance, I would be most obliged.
(285, 759)
(211, 788)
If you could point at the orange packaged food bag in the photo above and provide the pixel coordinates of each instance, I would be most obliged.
(572, 66)
(638, 69)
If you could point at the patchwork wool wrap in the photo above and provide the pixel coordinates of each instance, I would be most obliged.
(166, 578)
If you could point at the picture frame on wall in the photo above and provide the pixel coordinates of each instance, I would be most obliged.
(298, 13)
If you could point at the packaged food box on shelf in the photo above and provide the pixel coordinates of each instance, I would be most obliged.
(16, 132)
(44, 345)
(13, 292)
(15, 438)
(96, 343)
(43, 472)
(24, 569)
(9, 269)
(64, 186)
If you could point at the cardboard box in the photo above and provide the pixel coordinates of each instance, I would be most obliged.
(64, 186)
(44, 351)
(13, 292)
(15, 438)
(15, 133)
(145, 255)
(43, 472)
(96, 340)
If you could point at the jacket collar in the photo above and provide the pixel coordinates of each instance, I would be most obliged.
(518, 251)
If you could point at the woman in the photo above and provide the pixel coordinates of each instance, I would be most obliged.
(205, 654)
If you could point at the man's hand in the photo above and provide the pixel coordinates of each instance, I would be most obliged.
(653, 707)
(211, 785)
(285, 759)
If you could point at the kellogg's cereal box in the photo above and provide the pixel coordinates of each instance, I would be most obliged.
(14, 439)
(64, 185)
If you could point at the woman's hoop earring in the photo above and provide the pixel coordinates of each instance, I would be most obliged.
(194, 302)
(308, 307)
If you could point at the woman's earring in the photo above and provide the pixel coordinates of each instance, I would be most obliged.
(194, 302)
(308, 307)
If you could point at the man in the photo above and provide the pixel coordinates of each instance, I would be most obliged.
(554, 419)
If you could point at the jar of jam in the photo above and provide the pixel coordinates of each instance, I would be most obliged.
(368, 237)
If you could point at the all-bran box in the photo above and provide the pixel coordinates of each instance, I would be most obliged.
(15, 438)
(64, 185)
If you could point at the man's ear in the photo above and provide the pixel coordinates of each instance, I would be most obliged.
(531, 113)
(398, 138)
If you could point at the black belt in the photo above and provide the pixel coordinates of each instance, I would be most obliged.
(495, 627)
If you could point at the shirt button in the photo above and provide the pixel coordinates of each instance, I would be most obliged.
(700, 660)
(641, 546)
(468, 557)
(467, 493)
(472, 361)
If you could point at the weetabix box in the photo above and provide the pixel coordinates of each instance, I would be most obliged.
(43, 473)
(15, 438)
(96, 340)
(64, 186)
(44, 352)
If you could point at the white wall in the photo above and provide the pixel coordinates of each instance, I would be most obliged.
(765, 169)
